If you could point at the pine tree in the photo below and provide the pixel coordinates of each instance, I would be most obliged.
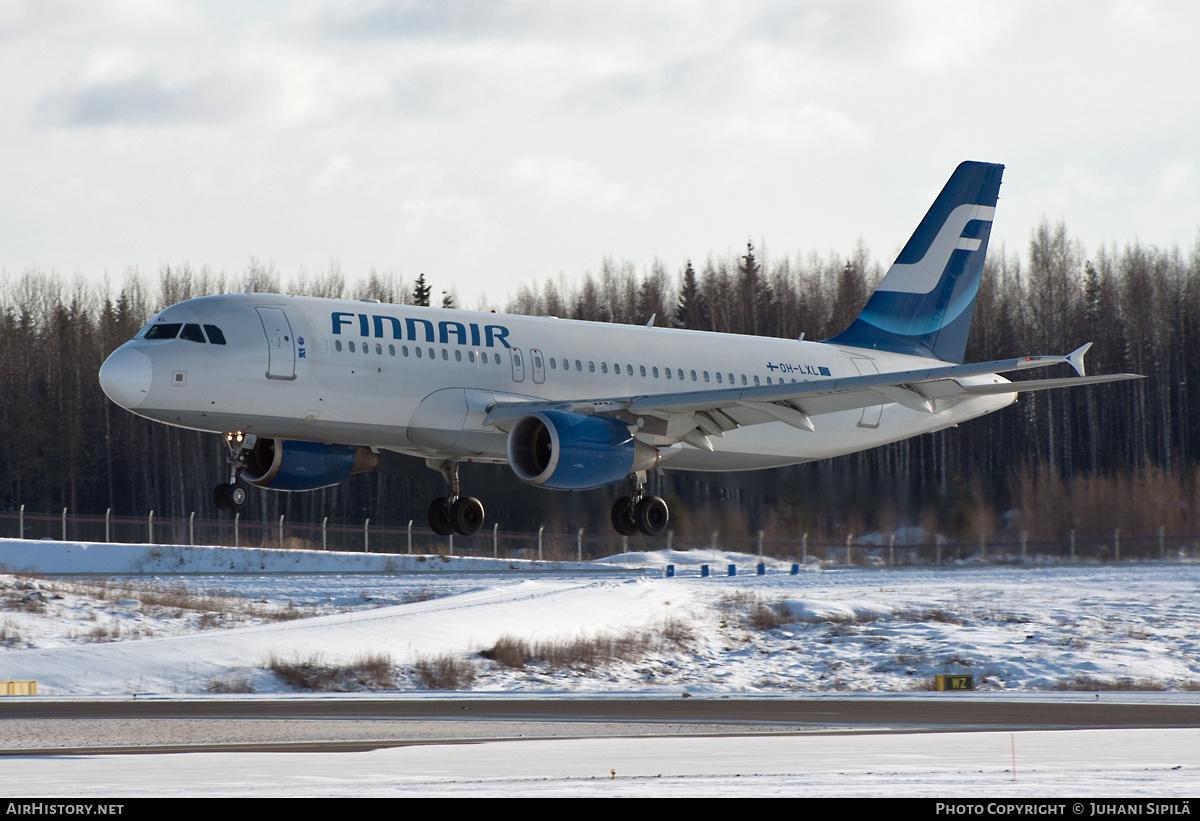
(754, 295)
(421, 292)
(691, 310)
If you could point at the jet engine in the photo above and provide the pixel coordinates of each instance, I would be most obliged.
(288, 465)
(574, 451)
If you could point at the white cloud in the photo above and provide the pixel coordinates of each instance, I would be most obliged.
(567, 180)
(500, 130)
(1176, 182)
(209, 98)
(937, 35)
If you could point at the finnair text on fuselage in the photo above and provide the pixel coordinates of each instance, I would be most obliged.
(492, 335)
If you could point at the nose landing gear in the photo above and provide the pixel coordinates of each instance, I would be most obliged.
(234, 494)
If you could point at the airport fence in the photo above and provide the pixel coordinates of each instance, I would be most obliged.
(411, 538)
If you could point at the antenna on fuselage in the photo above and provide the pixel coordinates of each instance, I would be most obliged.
(250, 287)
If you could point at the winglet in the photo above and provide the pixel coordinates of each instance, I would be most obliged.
(250, 287)
(1075, 359)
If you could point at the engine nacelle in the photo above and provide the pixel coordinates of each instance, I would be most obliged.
(286, 465)
(574, 451)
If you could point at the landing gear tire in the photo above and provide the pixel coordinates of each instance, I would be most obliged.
(466, 515)
(622, 517)
(439, 516)
(239, 496)
(453, 513)
(231, 497)
(652, 515)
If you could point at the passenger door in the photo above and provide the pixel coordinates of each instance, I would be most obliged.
(281, 344)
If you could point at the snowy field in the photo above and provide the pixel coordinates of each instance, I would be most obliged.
(1123, 631)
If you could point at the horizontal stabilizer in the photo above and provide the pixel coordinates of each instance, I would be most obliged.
(1047, 384)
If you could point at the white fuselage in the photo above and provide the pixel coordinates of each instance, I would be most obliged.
(420, 381)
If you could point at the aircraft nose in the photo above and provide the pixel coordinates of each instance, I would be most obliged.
(125, 377)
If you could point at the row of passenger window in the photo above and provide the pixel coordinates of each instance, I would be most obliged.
(567, 364)
(419, 353)
(654, 372)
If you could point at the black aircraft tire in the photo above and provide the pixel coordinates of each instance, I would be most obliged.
(439, 516)
(466, 515)
(652, 515)
(622, 517)
(221, 496)
(238, 495)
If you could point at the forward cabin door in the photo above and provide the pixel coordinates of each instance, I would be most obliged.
(281, 344)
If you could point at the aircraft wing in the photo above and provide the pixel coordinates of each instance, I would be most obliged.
(692, 416)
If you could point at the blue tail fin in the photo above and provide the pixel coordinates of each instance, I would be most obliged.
(924, 305)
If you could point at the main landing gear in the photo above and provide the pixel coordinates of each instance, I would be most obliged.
(234, 494)
(453, 513)
(639, 513)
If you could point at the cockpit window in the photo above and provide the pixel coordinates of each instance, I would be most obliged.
(163, 330)
(214, 334)
(192, 333)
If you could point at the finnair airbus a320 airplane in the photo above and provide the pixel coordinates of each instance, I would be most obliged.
(306, 391)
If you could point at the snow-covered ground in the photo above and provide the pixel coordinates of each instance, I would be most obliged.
(975, 768)
(1019, 629)
(1028, 627)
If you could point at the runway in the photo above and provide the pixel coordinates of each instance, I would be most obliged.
(353, 724)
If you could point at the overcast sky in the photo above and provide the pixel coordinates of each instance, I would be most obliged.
(492, 143)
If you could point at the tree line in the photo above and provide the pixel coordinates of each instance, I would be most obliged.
(1088, 459)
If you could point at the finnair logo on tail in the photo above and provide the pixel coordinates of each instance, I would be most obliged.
(923, 276)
